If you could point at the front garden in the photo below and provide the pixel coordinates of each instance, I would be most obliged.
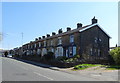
(75, 61)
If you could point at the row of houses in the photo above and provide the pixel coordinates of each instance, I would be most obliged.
(89, 41)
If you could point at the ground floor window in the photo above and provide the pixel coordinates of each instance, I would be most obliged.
(38, 51)
(52, 50)
(74, 50)
(59, 51)
(66, 52)
(91, 51)
(44, 51)
(99, 53)
(71, 51)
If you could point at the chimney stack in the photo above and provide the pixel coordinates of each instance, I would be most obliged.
(60, 31)
(94, 20)
(36, 39)
(48, 35)
(43, 37)
(39, 38)
(79, 25)
(53, 33)
(68, 28)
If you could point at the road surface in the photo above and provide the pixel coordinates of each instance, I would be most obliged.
(14, 70)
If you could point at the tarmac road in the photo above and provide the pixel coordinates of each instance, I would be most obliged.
(14, 70)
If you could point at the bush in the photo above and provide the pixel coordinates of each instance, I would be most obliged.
(115, 53)
(49, 56)
(76, 56)
(61, 58)
(6, 53)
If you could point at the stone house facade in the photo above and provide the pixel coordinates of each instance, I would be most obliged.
(91, 42)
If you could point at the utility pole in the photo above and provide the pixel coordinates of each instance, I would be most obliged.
(22, 38)
(21, 46)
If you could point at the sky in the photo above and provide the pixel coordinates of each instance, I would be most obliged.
(36, 19)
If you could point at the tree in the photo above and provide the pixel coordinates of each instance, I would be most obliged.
(6, 53)
(115, 53)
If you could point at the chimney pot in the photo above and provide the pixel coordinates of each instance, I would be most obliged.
(94, 20)
(60, 31)
(36, 39)
(43, 37)
(68, 28)
(53, 33)
(39, 38)
(48, 35)
(79, 25)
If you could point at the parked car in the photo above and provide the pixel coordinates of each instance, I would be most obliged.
(9, 55)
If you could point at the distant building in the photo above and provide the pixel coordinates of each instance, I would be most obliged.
(91, 42)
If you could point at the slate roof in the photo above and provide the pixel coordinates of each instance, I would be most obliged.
(71, 31)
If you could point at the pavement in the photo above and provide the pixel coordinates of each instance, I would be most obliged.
(23, 70)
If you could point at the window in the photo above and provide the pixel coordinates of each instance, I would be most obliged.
(35, 45)
(96, 39)
(74, 50)
(59, 51)
(39, 44)
(59, 40)
(31, 46)
(44, 43)
(28, 46)
(91, 51)
(98, 52)
(38, 51)
(70, 52)
(71, 38)
(52, 50)
(51, 42)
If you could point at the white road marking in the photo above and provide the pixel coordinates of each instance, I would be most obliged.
(43, 76)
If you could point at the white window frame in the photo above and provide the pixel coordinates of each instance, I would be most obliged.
(39, 44)
(100, 40)
(59, 51)
(70, 51)
(35, 45)
(96, 39)
(31, 46)
(28, 46)
(59, 40)
(71, 38)
(74, 50)
(44, 43)
(91, 51)
(98, 52)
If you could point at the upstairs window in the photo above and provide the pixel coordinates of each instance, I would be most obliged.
(35, 45)
(39, 44)
(71, 38)
(51, 43)
(96, 39)
(44, 43)
(28, 46)
(31, 46)
(59, 40)
(100, 40)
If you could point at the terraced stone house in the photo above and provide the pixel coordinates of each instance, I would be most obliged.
(91, 42)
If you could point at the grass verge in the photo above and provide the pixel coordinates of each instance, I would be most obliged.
(85, 66)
